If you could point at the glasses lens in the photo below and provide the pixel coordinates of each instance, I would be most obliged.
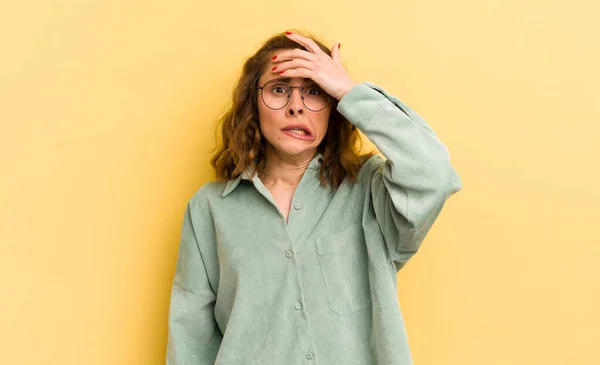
(315, 98)
(275, 95)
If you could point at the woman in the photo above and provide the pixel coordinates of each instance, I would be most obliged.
(291, 256)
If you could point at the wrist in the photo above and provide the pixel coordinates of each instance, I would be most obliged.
(345, 90)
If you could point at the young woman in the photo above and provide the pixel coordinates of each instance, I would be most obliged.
(291, 256)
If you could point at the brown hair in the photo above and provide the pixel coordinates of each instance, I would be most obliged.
(243, 145)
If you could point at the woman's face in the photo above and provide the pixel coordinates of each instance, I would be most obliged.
(293, 130)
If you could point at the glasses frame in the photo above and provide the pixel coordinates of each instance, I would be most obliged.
(291, 90)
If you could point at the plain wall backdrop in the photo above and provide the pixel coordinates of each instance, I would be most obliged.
(108, 110)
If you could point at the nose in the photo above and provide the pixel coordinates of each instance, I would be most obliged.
(296, 105)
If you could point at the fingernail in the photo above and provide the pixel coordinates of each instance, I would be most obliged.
(274, 57)
(288, 33)
(281, 72)
(273, 69)
(339, 45)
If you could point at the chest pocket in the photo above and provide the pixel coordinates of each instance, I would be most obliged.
(344, 265)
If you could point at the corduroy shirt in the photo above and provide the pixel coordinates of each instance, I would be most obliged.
(251, 288)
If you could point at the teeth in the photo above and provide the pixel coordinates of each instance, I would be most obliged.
(301, 132)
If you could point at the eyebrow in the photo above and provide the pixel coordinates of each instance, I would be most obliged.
(286, 79)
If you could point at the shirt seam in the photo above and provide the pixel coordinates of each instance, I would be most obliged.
(198, 245)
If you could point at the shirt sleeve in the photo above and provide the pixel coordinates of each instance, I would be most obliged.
(194, 337)
(409, 187)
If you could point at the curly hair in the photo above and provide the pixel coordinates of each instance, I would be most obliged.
(243, 147)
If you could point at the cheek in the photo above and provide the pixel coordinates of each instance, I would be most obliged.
(267, 121)
(323, 123)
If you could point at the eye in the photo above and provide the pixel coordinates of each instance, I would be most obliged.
(313, 90)
(279, 89)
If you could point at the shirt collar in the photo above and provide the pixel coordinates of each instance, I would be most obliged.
(248, 174)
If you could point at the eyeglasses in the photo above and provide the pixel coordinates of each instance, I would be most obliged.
(276, 95)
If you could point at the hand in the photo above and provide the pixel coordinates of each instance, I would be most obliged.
(328, 72)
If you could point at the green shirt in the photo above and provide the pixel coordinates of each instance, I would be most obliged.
(321, 289)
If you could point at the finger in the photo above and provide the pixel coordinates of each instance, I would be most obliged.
(308, 43)
(293, 54)
(297, 72)
(295, 63)
(335, 54)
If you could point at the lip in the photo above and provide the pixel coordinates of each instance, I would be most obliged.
(309, 137)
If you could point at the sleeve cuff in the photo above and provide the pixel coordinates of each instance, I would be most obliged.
(362, 103)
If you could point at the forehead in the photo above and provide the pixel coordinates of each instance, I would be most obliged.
(286, 80)
(269, 76)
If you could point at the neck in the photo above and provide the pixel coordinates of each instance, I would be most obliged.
(285, 170)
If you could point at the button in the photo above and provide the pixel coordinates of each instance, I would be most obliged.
(309, 356)
(297, 206)
(288, 254)
(297, 306)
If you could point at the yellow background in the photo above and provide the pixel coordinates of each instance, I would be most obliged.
(107, 112)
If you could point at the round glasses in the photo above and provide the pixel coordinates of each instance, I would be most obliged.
(276, 95)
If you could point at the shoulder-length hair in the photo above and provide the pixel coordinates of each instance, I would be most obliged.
(242, 145)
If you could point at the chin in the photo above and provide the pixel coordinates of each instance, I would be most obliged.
(294, 149)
